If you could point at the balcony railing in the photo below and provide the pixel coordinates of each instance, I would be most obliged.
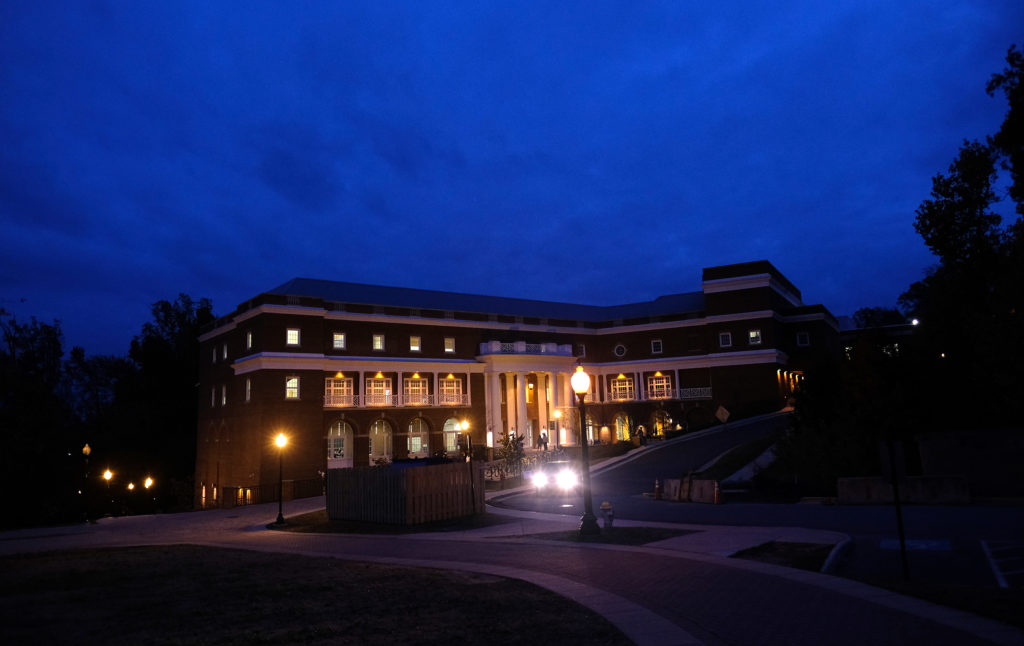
(374, 401)
(661, 394)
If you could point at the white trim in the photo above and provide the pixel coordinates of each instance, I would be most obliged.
(319, 362)
(753, 281)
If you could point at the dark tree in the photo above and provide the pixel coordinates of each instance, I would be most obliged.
(165, 401)
(35, 425)
(868, 317)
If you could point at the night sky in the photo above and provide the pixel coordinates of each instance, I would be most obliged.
(596, 152)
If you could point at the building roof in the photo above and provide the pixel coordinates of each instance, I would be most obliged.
(379, 295)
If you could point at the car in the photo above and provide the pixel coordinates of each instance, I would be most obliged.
(555, 477)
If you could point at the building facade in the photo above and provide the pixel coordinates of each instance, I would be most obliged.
(359, 374)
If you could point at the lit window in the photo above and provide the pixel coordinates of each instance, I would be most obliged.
(338, 391)
(417, 444)
(803, 339)
(224, 351)
(378, 392)
(248, 340)
(378, 341)
(656, 346)
(622, 389)
(754, 337)
(449, 344)
(725, 339)
(291, 388)
(416, 392)
(292, 337)
(451, 392)
(659, 387)
(223, 395)
(414, 344)
(248, 390)
(339, 340)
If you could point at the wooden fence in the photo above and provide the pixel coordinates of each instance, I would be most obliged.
(405, 494)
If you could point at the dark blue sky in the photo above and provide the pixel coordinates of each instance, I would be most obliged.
(593, 152)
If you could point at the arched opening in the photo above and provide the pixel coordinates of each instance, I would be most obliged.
(622, 426)
(417, 442)
(660, 422)
(339, 445)
(451, 430)
(380, 442)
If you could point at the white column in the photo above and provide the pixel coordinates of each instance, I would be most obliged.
(640, 390)
(397, 397)
(542, 404)
(492, 394)
(510, 402)
(436, 392)
(521, 425)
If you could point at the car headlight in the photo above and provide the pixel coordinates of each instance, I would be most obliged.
(566, 479)
(540, 480)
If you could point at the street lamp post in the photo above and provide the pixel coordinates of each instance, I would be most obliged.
(281, 441)
(581, 385)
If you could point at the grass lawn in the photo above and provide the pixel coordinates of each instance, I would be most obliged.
(197, 595)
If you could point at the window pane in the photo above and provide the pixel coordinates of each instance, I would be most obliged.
(339, 340)
(292, 337)
(755, 337)
(378, 341)
(414, 344)
(449, 344)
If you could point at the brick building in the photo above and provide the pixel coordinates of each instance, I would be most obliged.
(356, 374)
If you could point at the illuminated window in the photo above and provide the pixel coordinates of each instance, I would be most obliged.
(656, 346)
(248, 389)
(451, 435)
(378, 341)
(417, 442)
(725, 339)
(224, 351)
(292, 336)
(414, 344)
(339, 340)
(449, 344)
(659, 387)
(451, 392)
(339, 439)
(338, 391)
(754, 337)
(622, 389)
(378, 392)
(380, 441)
(223, 395)
(291, 388)
(622, 424)
(415, 392)
(248, 340)
(803, 339)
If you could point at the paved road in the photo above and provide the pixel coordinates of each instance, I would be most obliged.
(660, 594)
(951, 544)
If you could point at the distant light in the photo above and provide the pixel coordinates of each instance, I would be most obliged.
(131, 486)
(281, 440)
(465, 424)
(149, 483)
(914, 322)
(107, 475)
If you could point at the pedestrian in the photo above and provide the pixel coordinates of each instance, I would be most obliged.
(543, 440)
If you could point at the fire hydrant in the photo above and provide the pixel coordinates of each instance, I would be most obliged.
(657, 489)
(608, 513)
